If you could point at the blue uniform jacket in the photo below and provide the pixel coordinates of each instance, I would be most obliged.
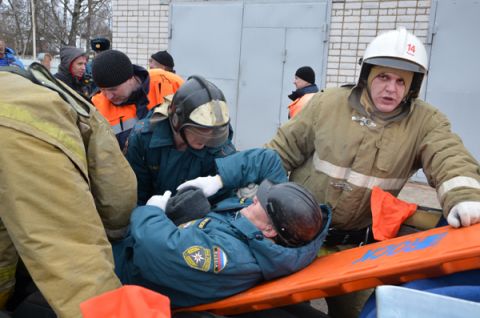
(159, 166)
(214, 257)
(11, 59)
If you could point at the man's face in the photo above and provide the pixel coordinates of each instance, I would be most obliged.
(198, 137)
(119, 94)
(300, 83)
(154, 64)
(2, 49)
(47, 62)
(78, 66)
(258, 217)
(387, 91)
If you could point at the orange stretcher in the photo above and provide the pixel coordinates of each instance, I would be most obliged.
(435, 252)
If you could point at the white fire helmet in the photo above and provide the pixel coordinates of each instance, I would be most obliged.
(398, 49)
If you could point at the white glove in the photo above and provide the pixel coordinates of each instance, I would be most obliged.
(160, 201)
(464, 214)
(209, 185)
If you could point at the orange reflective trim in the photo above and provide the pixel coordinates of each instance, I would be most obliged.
(124, 125)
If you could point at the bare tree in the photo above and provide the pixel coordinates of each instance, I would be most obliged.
(58, 23)
(15, 25)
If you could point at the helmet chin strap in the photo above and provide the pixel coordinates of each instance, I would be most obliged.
(180, 140)
(178, 135)
(184, 137)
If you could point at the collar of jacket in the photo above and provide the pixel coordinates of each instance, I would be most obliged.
(162, 136)
(302, 91)
(354, 102)
(231, 204)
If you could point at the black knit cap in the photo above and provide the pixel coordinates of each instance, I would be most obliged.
(164, 58)
(111, 68)
(306, 73)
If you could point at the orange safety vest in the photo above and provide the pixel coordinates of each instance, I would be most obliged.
(127, 301)
(298, 104)
(122, 118)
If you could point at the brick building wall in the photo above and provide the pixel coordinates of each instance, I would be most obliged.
(141, 28)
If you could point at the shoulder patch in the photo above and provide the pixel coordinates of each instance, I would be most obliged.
(220, 259)
(204, 223)
(198, 258)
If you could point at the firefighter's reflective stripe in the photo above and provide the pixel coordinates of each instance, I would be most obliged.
(356, 178)
(456, 183)
(6, 275)
(18, 114)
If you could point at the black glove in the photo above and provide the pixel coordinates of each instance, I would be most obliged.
(188, 204)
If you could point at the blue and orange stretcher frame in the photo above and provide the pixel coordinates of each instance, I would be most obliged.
(431, 253)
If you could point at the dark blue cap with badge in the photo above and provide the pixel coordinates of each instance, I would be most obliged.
(99, 44)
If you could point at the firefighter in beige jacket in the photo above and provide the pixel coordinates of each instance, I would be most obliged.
(378, 133)
(65, 186)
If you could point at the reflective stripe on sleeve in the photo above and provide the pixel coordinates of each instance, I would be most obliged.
(53, 131)
(456, 183)
(356, 178)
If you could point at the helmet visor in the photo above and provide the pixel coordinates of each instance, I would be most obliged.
(211, 137)
(400, 64)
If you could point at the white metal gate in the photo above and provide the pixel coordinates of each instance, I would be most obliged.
(251, 50)
(453, 78)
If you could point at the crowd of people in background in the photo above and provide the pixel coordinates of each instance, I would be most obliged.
(75, 67)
